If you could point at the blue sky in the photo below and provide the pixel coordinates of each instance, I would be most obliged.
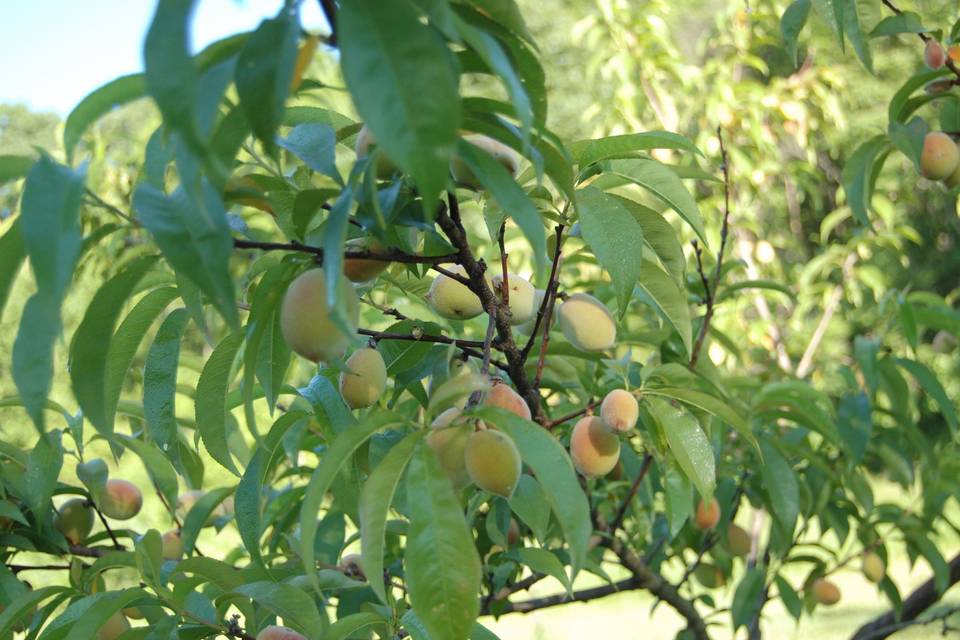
(54, 52)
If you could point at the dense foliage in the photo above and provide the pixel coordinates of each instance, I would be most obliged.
(360, 308)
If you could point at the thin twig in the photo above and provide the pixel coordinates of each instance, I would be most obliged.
(384, 256)
(106, 525)
(329, 8)
(627, 499)
(948, 62)
(103, 204)
(551, 297)
(590, 406)
(468, 347)
(551, 287)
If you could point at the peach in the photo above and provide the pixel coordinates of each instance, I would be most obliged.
(738, 540)
(940, 156)
(360, 269)
(933, 54)
(172, 545)
(366, 380)
(453, 300)
(710, 576)
(365, 140)
(522, 301)
(501, 395)
(507, 157)
(115, 626)
(306, 322)
(619, 410)
(825, 592)
(74, 520)
(707, 514)
(586, 323)
(121, 500)
(276, 632)
(873, 567)
(594, 448)
(493, 462)
(448, 439)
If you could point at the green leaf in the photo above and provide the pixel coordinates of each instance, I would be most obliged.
(97, 103)
(908, 138)
(906, 22)
(441, 565)
(799, 402)
(12, 255)
(333, 459)
(200, 515)
(660, 236)
(900, 106)
(126, 340)
(24, 605)
(931, 385)
(50, 231)
(542, 561)
(791, 24)
(531, 505)
(211, 398)
(505, 13)
(615, 237)
(746, 599)
(403, 80)
(854, 424)
(264, 73)
(315, 144)
(768, 285)
(587, 152)
(662, 294)
(14, 167)
(455, 389)
(347, 625)
(98, 608)
(375, 500)
(160, 381)
(297, 608)
(780, 482)
(93, 474)
(511, 198)
(666, 185)
(791, 601)
(543, 453)
(90, 345)
(158, 467)
(688, 443)
(712, 405)
(43, 468)
(850, 20)
(194, 238)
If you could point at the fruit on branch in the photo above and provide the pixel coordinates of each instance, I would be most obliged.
(121, 500)
(522, 300)
(513, 533)
(453, 300)
(276, 632)
(825, 592)
(527, 327)
(873, 567)
(350, 566)
(594, 448)
(244, 190)
(74, 520)
(501, 395)
(738, 540)
(171, 545)
(365, 140)
(707, 514)
(507, 157)
(359, 269)
(493, 462)
(586, 323)
(133, 613)
(944, 342)
(940, 156)
(363, 385)
(448, 438)
(305, 318)
(115, 626)
(619, 410)
(933, 55)
(709, 575)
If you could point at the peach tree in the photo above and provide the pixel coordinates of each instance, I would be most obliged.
(434, 354)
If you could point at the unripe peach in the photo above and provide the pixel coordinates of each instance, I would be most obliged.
(594, 448)
(121, 500)
(350, 565)
(873, 567)
(707, 515)
(133, 613)
(449, 440)
(513, 533)
(586, 323)
(171, 545)
(276, 632)
(503, 154)
(359, 269)
(363, 385)
(619, 410)
(527, 327)
(710, 576)
(453, 300)
(385, 167)
(305, 317)
(523, 297)
(933, 55)
(74, 520)
(940, 156)
(738, 540)
(114, 627)
(501, 395)
(825, 592)
(493, 462)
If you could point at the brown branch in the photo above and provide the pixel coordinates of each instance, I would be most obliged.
(590, 406)
(16, 568)
(329, 8)
(106, 525)
(89, 552)
(948, 63)
(469, 347)
(711, 290)
(551, 297)
(584, 595)
(551, 288)
(922, 598)
(641, 474)
(452, 227)
(385, 256)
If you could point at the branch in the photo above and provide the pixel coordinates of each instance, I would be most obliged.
(385, 256)
(451, 226)
(551, 289)
(89, 552)
(590, 406)
(468, 347)
(916, 603)
(329, 8)
(948, 63)
(106, 525)
(584, 595)
(641, 474)
(711, 291)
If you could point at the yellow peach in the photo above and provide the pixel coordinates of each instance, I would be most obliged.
(594, 448)
(306, 322)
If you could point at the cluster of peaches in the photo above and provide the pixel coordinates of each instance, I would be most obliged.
(940, 158)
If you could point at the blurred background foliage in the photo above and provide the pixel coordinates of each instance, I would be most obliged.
(618, 66)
